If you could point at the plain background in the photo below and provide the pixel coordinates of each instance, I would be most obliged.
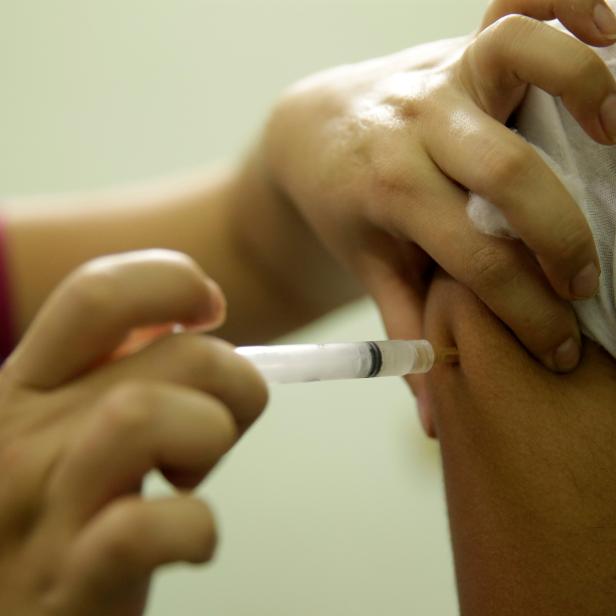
(333, 504)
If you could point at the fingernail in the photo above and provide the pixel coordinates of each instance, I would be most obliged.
(567, 356)
(608, 116)
(605, 20)
(586, 282)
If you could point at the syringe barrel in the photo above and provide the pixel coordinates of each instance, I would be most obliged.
(320, 362)
(300, 363)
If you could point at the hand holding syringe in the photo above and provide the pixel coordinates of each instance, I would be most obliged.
(301, 363)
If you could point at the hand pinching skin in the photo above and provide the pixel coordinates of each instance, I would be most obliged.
(379, 158)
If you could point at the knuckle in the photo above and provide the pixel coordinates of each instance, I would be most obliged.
(217, 346)
(490, 268)
(391, 164)
(196, 353)
(189, 354)
(222, 422)
(92, 290)
(401, 101)
(503, 39)
(389, 155)
(227, 371)
(128, 530)
(383, 185)
(586, 63)
(254, 392)
(179, 345)
(129, 407)
(388, 179)
(586, 73)
(219, 356)
(549, 326)
(198, 349)
(504, 166)
(572, 242)
(511, 26)
(411, 108)
(388, 191)
(246, 376)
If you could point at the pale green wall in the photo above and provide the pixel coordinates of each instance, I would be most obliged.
(333, 505)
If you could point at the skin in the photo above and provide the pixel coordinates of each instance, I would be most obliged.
(207, 215)
(395, 142)
(529, 462)
(82, 398)
(358, 176)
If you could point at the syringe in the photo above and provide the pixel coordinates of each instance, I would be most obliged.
(301, 363)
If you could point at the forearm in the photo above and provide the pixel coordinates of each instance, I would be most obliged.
(273, 271)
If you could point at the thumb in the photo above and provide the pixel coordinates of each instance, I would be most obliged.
(398, 283)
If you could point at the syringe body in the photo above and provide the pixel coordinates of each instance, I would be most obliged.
(300, 363)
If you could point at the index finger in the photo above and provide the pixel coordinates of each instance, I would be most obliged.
(93, 311)
(494, 162)
(500, 272)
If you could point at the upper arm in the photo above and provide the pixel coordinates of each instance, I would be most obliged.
(529, 459)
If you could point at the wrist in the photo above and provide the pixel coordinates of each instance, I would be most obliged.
(281, 243)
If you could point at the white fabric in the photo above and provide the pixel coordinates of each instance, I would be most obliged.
(588, 170)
